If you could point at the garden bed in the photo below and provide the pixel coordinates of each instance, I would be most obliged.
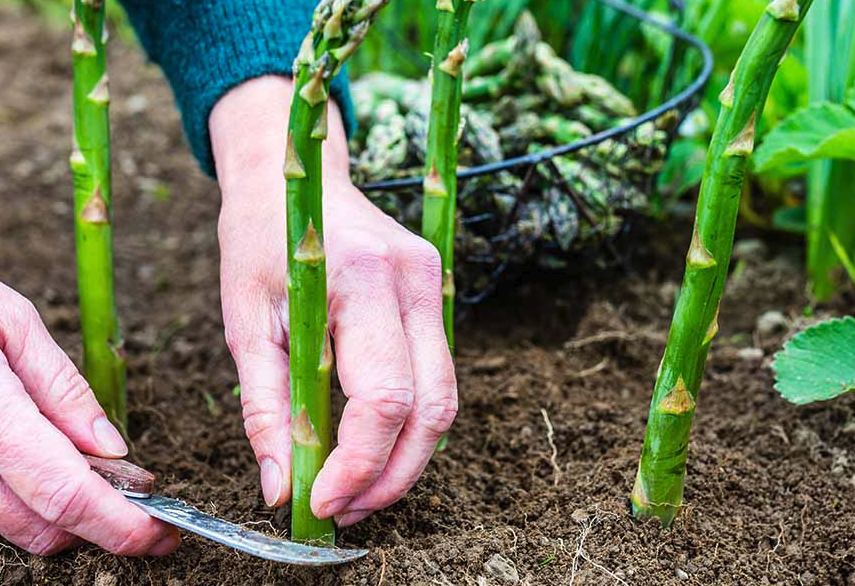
(770, 490)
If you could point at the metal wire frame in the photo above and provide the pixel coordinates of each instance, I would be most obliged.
(483, 271)
(683, 101)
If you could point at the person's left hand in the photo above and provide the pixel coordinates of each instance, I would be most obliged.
(385, 314)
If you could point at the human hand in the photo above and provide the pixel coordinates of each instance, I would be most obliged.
(385, 314)
(49, 498)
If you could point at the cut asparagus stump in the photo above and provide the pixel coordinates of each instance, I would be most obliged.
(103, 363)
(338, 27)
(658, 490)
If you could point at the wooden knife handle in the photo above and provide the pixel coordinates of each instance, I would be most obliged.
(124, 476)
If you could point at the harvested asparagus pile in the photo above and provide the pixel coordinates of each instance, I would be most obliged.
(519, 98)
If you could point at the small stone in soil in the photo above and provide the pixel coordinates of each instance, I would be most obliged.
(503, 570)
(750, 354)
(771, 322)
(489, 364)
(750, 249)
(681, 574)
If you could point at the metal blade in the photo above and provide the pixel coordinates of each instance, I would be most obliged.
(182, 515)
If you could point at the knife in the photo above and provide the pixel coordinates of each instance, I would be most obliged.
(137, 485)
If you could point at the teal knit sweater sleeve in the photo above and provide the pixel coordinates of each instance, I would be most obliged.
(206, 47)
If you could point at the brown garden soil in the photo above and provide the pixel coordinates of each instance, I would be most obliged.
(771, 487)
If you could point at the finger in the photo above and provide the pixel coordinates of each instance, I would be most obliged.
(43, 468)
(53, 382)
(435, 385)
(27, 530)
(256, 340)
(376, 375)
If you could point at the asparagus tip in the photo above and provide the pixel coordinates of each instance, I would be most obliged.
(445, 5)
(332, 28)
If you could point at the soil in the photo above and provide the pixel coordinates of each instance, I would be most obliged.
(548, 361)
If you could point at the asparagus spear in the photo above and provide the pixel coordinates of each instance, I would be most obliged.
(658, 490)
(338, 27)
(103, 362)
(440, 184)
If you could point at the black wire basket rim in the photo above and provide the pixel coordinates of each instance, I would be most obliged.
(681, 99)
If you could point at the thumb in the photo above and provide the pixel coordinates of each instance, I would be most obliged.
(52, 381)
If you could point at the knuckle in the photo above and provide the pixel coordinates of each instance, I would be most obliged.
(437, 414)
(426, 257)
(64, 503)
(372, 259)
(260, 421)
(68, 386)
(393, 404)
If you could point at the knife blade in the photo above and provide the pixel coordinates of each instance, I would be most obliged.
(137, 485)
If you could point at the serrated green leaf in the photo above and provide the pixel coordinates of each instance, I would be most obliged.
(817, 364)
(820, 131)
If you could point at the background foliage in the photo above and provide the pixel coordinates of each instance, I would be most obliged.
(803, 175)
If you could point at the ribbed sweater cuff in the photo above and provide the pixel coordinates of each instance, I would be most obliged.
(207, 47)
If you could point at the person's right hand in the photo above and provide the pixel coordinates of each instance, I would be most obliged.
(49, 498)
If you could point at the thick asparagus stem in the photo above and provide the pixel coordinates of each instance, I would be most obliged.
(440, 185)
(103, 363)
(339, 26)
(658, 490)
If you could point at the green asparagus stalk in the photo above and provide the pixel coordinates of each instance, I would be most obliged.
(658, 490)
(103, 362)
(440, 184)
(338, 27)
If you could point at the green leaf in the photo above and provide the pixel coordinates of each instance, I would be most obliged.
(820, 131)
(817, 364)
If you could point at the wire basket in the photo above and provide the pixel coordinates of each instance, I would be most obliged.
(622, 161)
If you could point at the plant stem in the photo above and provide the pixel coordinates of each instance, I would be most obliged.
(830, 51)
(103, 362)
(658, 490)
(440, 185)
(337, 29)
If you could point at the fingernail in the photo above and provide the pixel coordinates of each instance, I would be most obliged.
(108, 437)
(335, 506)
(351, 518)
(271, 481)
(166, 545)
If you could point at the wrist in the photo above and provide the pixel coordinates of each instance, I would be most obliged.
(248, 128)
